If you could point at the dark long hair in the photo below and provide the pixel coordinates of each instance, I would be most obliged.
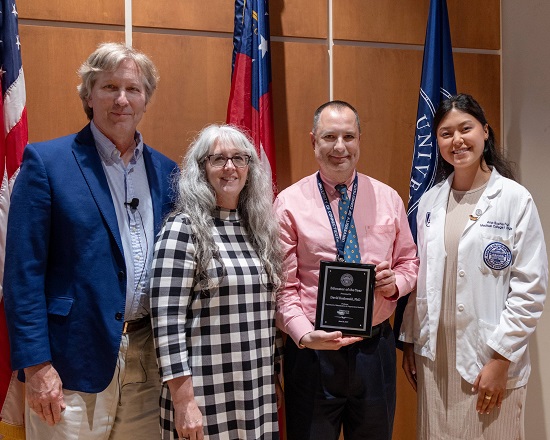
(492, 155)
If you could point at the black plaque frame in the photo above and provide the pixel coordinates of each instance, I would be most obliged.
(345, 298)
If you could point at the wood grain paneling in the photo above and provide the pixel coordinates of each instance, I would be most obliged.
(213, 15)
(382, 84)
(306, 18)
(373, 80)
(404, 424)
(81, 11)
(50, 65)
(389, 21)
(300, 85)
(479, 76)
(195, 77)
(474, 24)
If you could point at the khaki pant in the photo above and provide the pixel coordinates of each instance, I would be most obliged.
(127, 409)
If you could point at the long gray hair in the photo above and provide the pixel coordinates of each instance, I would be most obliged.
(197, 199)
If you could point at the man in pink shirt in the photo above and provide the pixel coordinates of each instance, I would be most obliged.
(334, 381)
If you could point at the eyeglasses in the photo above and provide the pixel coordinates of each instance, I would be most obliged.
(219, 160)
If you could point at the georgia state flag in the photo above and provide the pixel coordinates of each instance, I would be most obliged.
(250, 104)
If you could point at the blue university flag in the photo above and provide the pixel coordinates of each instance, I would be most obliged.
(437, 84)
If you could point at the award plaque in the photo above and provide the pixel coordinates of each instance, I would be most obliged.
(345, 298)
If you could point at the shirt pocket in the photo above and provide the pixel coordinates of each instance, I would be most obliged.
(378, 243)
(496, 255)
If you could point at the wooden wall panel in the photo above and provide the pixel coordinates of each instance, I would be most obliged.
(479, 75)
(201, 94)
(306, 18)
(404, 424)
(474, 24)
(50, 65)
(372, 80)
(195, 78)
(298, 89)
(82, 11)
(390, 21)
(213, 15)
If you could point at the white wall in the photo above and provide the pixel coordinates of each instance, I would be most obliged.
(526, 137)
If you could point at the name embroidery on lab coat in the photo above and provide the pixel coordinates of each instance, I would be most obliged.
(503, 226)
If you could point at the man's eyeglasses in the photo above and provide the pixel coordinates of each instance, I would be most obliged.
(219, 160)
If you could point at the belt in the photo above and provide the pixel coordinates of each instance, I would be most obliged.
(137, 324)
(378, 328)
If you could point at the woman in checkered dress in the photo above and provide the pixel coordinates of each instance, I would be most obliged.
(216, 268)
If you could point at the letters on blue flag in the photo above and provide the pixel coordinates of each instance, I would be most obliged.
(437, 83)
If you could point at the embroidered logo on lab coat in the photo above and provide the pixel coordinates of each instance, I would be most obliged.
(497, 256)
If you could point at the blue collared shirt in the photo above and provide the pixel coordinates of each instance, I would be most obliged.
(127, 182)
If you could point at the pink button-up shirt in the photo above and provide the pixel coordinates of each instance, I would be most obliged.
(383, 234)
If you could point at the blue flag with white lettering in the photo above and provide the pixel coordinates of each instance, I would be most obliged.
(437, 84)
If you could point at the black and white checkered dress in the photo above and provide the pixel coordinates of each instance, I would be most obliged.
(223, 337)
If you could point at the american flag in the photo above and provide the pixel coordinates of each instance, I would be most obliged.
(250, 102)
(12, 142)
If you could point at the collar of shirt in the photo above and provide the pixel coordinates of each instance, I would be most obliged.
(108, 151)
(330, 185)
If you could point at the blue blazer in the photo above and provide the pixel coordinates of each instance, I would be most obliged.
(65, 275)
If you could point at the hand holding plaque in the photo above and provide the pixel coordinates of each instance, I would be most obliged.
(345, 298)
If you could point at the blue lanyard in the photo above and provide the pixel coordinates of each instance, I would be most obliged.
(340, 241)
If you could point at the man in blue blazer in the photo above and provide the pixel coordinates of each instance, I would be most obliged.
(84, 214)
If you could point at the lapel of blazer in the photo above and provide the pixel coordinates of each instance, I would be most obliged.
(154, 174)
(87, 157)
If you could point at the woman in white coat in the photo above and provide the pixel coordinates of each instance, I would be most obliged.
(481, 287)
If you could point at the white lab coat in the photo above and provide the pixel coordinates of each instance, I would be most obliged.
(501, 280)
